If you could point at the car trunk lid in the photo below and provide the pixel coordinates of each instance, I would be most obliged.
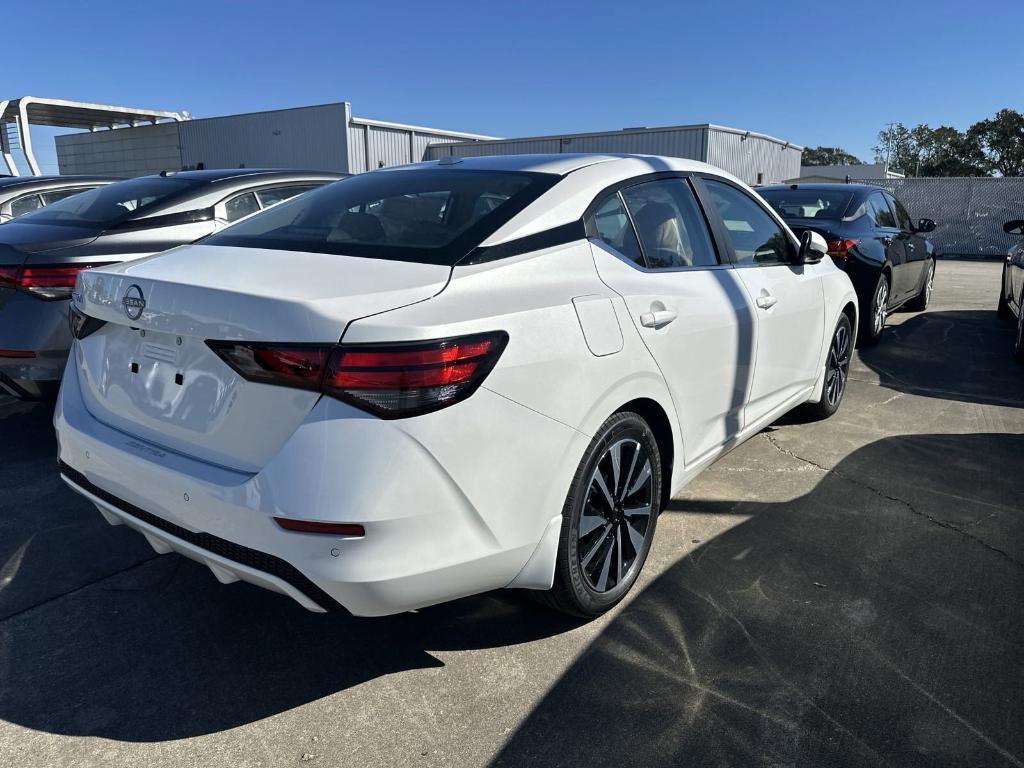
(149, 372)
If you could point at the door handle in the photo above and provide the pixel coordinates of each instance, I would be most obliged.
(658, 319)
(766, 301)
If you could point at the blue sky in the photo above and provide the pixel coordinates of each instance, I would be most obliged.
(822, 72)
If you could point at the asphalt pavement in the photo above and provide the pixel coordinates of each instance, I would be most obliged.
(840, 593)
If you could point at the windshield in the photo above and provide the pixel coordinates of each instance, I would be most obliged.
(109, 205)
(432, 216)
(808, 203)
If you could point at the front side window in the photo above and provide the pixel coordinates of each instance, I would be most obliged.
(670, 224)
(240, 206)
(902, 217)
(434, 216)
(25, 204)
(112, 204)
(615, 230)
(756, 237)
(269, 197)
(879, 210)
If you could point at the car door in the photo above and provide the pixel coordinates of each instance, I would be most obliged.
(652, 246)
(915, 247)
(887, 233)
(788, 298)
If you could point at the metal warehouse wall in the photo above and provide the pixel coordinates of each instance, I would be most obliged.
(754, 158)
(969, 213)
(375, 144)
(121, 152)
(310, 138)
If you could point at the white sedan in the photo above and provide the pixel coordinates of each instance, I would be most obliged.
(426, 382)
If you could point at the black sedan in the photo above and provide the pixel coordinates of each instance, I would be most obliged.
(1011, 289)
(871, 236)
(23, 194)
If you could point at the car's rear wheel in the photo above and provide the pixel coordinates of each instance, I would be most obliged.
(837, 373)
(873, 321)
(920, 302)
(609, 518)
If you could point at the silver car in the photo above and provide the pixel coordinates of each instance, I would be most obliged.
(41, 253)
(23, 194)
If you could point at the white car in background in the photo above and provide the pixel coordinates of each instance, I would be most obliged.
(430, 381)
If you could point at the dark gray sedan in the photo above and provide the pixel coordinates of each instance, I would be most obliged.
(23, 194)
(41, 253)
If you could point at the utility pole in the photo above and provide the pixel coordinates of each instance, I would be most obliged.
(888, 146)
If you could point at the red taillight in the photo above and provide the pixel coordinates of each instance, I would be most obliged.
(318, 526)
(390, 380)
(48, 281)
(839, 249)
(16, 353)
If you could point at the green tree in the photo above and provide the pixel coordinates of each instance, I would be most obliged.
(899, 146)
(828, 156)
(945, 151)
(1002, 141)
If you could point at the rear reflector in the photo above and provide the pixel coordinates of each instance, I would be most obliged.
(389, 380)
(318, 526)
(48, 281)
(839, 249)
(16, 353)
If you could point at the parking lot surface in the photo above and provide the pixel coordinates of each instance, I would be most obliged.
(846, 592)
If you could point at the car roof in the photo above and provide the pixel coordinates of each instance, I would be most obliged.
(223, 174)
(6, 182)
(558, 164)
(820, 185)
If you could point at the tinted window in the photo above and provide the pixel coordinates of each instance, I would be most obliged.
(755, 236)
(879, 210)
(269, 197)
(25, 204)
(807, 203)
(49, 198)
(670, 225)
(614, 228)
(241, 206)
(112, 204)
(434, 216)
(902, 217)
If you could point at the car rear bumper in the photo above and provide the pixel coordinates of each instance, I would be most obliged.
(437, 527)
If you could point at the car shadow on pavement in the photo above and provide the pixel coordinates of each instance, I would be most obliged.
(955, 355)
(876, 620)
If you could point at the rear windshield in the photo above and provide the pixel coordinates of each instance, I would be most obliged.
(109, 205)
(808, 203)
(435, 216)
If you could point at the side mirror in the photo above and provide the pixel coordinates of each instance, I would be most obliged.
(813, 248)
(925, 225)
(1015, 227)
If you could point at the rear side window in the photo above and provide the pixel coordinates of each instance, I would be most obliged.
(615, 230)
(240, 206)
(25, 204)
(879, 210)
(755, 236)
(434, 216)
(670, 225)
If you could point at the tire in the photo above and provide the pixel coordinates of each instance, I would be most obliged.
(837, 373)
(1018, 344)
(920, 302)
(1003, 308)
(594, 571)
(872, 322)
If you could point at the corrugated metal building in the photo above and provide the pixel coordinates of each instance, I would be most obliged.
(753, 157)
(323, 137)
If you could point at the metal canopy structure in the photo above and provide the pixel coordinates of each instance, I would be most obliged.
(18, 115)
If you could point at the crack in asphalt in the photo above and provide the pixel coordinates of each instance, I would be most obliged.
(879, 492)
(77, 589)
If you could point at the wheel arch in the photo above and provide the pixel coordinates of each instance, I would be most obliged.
(661, 425)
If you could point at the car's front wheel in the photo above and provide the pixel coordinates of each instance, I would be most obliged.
(920, 302)
(1003, 308)
(609, 518)
(873, 321)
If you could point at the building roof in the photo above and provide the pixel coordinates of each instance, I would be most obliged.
(66, 113)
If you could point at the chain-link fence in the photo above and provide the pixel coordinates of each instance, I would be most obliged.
(969, 213)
